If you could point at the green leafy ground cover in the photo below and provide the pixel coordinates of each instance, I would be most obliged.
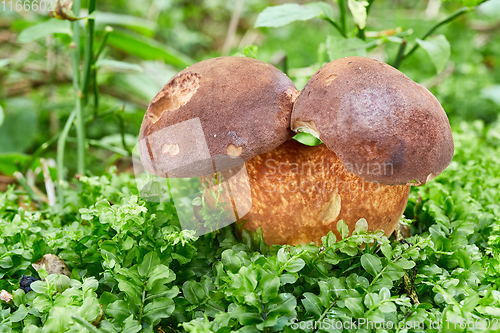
(133, 269)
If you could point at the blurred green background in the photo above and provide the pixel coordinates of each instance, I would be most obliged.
(152, 40)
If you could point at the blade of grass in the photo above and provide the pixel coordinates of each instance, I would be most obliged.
(99, 144)
(122, 131)
(86, 324)
(31, 193)
(80, 133)
(343, 16)
(52, 140)
(88, 59)
(60, 156)
(107, 31)
(40, 150)
(400, 55)
(147, 48)
(95, 91)
(75, 64)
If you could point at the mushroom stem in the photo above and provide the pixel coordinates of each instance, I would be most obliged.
(299, 193)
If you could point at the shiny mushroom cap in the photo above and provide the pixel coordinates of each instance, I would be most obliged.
(383, 126)
(227, 107)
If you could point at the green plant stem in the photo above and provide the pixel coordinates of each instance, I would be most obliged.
(343, 17)
(88, 60)
(122, 133)
(370, 3)
(99, 144)
(142, 302)
(373, 43)
(80, 133)
(75, 47)
(284, 62)
(52, 140)
(40, 150)
(323, 315)
(400, 55)
(81, 103)
(107, 31)
(444, 21)
(29, 190)
(85, 324)
(369, 312)
(417, 245)
(75, 64)
(361, 32)
(60, 156)
(336, 26)
(96, 91)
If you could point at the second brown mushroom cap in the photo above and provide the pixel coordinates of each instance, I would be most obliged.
(383, 126)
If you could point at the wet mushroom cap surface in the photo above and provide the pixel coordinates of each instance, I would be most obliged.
(227, 106)
(383, 126)
(299, 193)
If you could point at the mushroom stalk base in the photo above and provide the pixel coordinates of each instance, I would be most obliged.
(299, 193)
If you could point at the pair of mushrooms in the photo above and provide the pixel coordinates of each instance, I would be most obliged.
(381, 133)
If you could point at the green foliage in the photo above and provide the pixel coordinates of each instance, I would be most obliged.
(338, 48)
(45, 28)
(470, 3)
(147, 48)
(281, 15)
(134, 269)
(307, 139)
(19, 113)
(355, 43)
(438, 49)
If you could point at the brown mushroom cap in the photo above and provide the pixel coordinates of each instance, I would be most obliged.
(299, 193)
(232, 106)
(383, 126)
